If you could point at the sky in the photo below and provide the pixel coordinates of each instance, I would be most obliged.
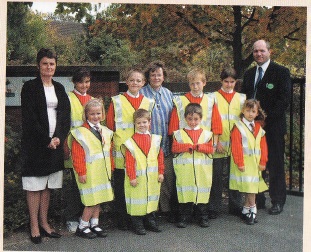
(44, 7)
(49, 7)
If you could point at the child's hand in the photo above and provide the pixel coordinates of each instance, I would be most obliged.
(82, 179)
(242, 168)
(134, 182)
(160, 178)
(261, 167)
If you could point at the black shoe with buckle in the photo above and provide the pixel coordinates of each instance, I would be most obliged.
(250, 218)
(85, 233)
(100, 232)
(276, 209)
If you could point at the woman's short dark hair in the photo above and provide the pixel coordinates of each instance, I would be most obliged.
(46, 52)
(79, 74)
(153, 66)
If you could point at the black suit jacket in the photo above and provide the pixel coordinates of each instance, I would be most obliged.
(39, 160)
(273, 92)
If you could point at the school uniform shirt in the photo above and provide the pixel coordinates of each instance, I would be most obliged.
(143, 141)
(216, 125)
(79, 154)
(237, 151)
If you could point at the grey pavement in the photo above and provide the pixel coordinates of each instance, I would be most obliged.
(282, 232)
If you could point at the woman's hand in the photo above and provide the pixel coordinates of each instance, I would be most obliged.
(261, 167)
(54, 143)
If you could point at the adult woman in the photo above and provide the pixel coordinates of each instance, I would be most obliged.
(46, 122)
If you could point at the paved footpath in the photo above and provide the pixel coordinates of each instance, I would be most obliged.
(227, 233)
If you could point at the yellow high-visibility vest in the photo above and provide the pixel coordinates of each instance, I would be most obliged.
(193, 171)
(144, 198)
(76, 111)
(97, 188)
(249, 181)
(230, 113)
(207, 104)
(124, 124)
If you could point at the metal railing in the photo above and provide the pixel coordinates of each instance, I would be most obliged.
(296, 137)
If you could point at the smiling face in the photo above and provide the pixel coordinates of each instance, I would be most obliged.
(193, 120)
(228, 84)
(250, 113)
(47, 67)
(156, 78)
(135, 82)
(142, 124)
(83, 86)
(260, 52)
(95, 114)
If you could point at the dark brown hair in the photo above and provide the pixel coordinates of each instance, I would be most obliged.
(153, 66)
(141, 113)
(228, 72)
(46, 52)
(79, 74)
(193, 108)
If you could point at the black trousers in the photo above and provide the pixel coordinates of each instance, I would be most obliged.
(275, 167)
(221, 171)
(118, 186)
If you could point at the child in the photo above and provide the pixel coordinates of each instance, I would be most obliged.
(91, 155)
(210, 120)
(193, 166)
(229, 104)
(144, 162)
(120, 120)
(249, 157)
(78, 98)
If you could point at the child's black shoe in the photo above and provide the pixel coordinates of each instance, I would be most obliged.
(85, 233)
(100, 232)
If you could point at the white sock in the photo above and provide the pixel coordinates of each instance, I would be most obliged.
(245, 210)
(83, 224)
(253, 209)
(94, 222)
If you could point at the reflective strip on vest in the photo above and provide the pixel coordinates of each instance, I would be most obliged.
(95, 189)
(190, 161)
(142, 201)
(193, 189)
(247, 179)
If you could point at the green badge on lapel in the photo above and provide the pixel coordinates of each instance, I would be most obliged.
(270, 85)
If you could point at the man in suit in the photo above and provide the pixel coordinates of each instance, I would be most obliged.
(271, 86)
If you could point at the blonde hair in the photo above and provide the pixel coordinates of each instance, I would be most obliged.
(196, 73)
(96, 102)
(129, 74)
